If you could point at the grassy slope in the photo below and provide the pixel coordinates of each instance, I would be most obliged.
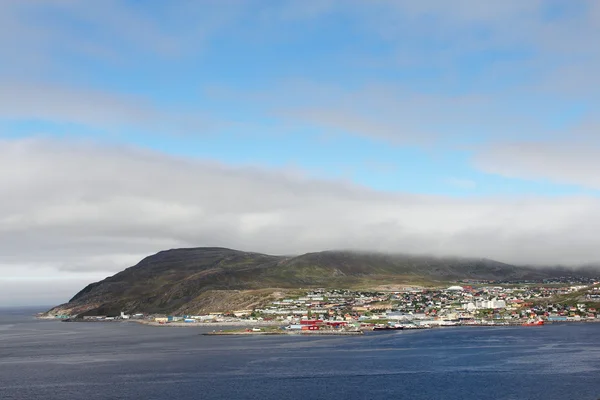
(572, 299)
(206, 278)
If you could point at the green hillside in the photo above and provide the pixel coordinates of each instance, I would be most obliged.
(190, 279)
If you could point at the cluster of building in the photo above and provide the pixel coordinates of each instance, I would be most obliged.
(455, 305)
(473, 303)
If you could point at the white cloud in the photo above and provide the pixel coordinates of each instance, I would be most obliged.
(77, 207)
(63, 104)
(558, 60)
(44, 292)
(112, 27)
(571, 162)
(397, 114)
(72, 207)
(96, 109)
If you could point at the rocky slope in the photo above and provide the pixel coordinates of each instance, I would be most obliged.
(217, 279)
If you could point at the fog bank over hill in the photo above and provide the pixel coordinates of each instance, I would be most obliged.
(71, 208)
(94, 208)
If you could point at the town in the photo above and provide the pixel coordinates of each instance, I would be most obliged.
(473, 304)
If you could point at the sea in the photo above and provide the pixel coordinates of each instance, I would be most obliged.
(125, 360)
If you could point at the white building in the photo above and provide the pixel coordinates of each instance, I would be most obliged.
(493, 303)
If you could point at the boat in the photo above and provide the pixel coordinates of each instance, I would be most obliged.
(448, 323)
(381, 327)
(410, 326)
(533, 322)
(396, 327)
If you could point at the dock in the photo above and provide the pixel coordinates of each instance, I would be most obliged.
(291, 333)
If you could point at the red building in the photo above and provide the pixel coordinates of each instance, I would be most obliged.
(311, 322)
(337, 324)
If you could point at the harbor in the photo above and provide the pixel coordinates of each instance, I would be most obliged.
(284, 332)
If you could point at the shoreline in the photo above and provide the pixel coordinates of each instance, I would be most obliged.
(250, 324)
(293, 333)
(241, 324)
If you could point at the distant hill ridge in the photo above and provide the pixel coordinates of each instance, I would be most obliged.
(191, 280)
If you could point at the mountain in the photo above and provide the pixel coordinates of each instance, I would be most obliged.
(205, 279)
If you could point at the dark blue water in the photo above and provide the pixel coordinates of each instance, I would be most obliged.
(56, 360)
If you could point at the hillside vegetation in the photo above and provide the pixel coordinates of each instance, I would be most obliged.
(195, 280)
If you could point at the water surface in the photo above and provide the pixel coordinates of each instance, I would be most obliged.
(57, 360)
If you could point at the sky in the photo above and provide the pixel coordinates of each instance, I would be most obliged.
(452, 128)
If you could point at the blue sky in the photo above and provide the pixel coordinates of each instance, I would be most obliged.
(487, 113)
(247, 74)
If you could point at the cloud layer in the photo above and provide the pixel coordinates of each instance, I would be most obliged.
(570, 162)
(505, 89)
(78, 207)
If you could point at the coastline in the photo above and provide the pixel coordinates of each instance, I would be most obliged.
(250, 324)
(293, 333)
(241, 324)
